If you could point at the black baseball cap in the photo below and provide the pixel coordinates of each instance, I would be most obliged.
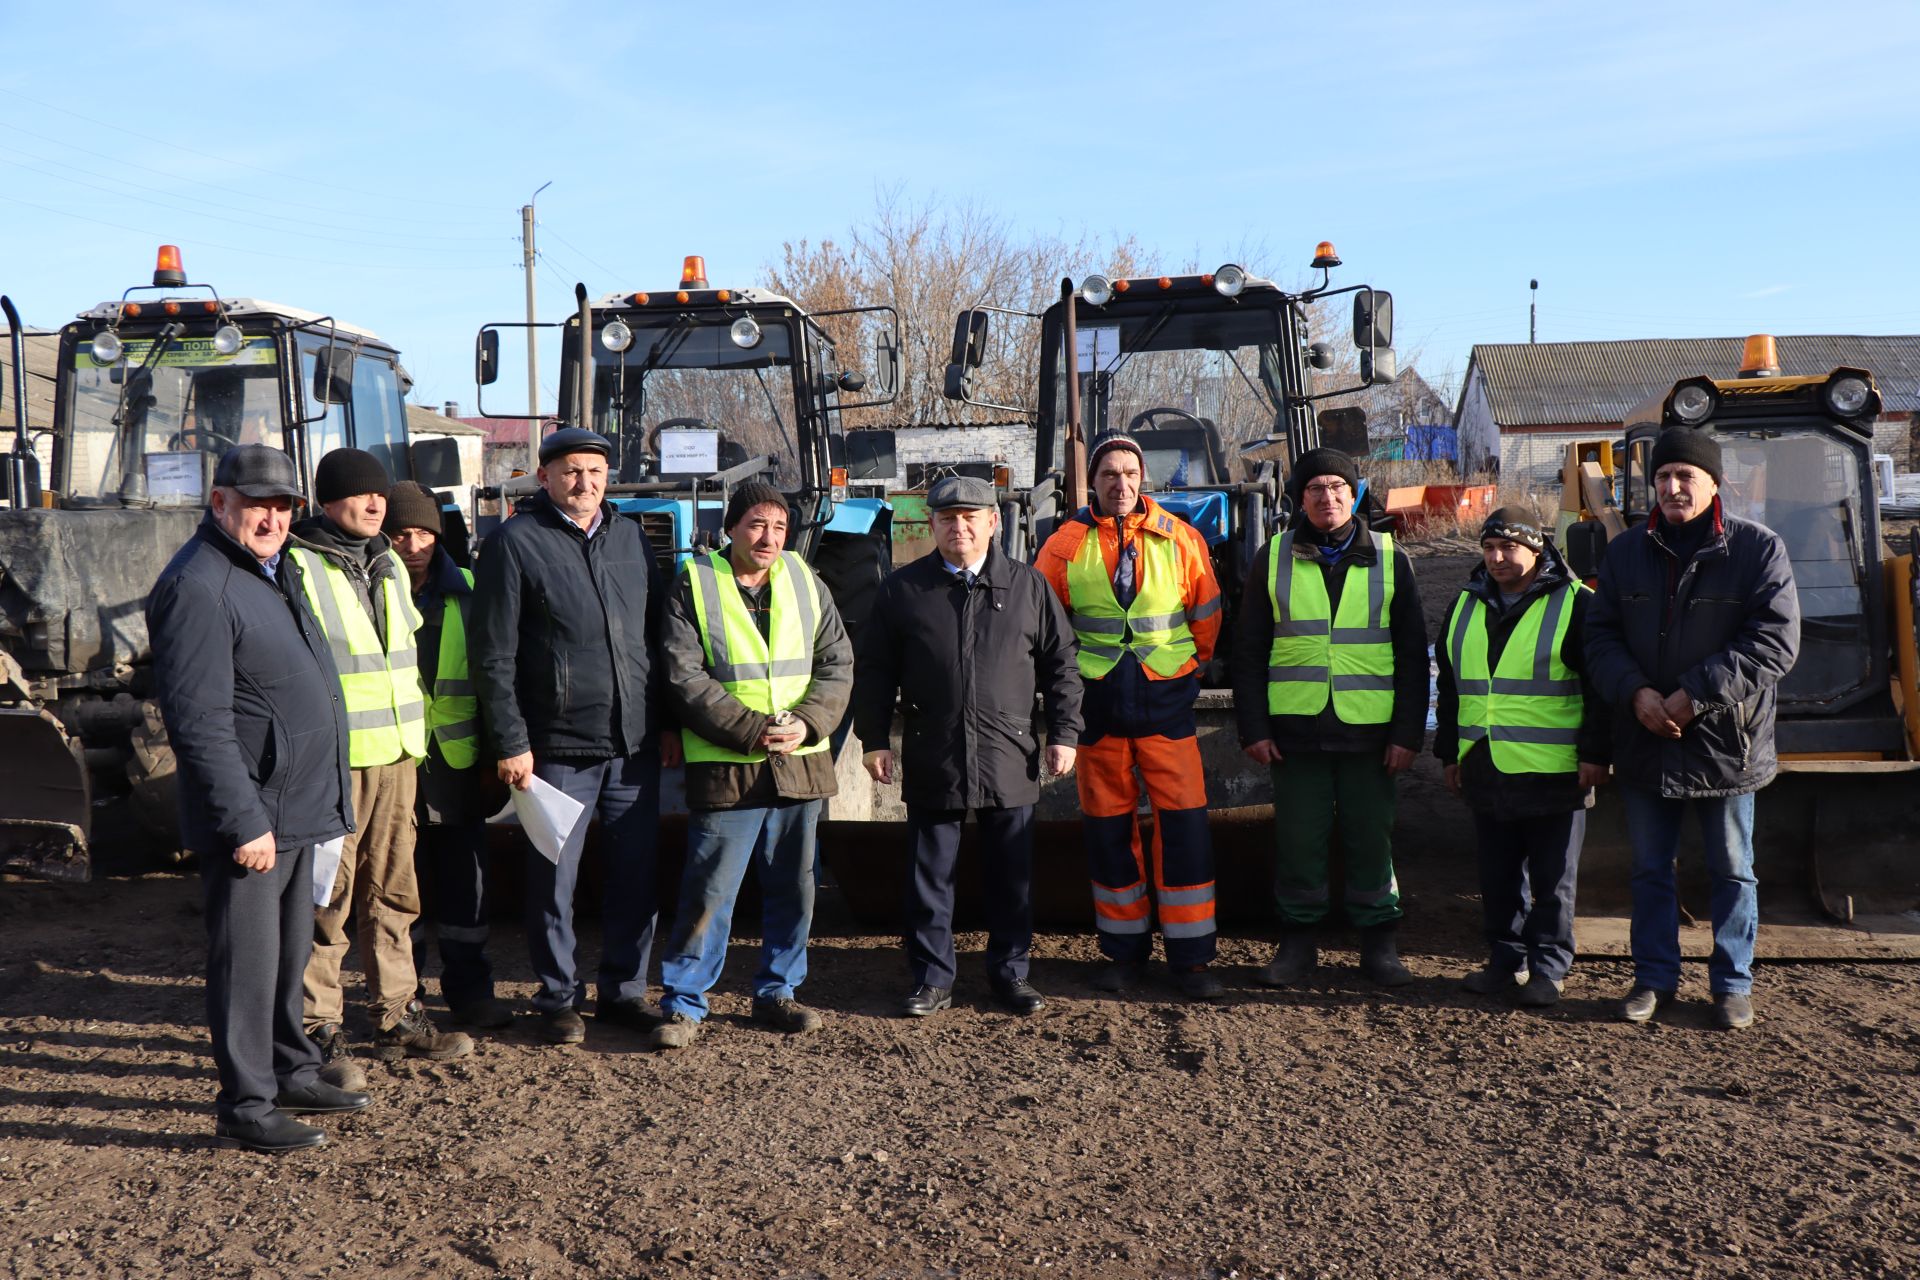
(258, 471)
(574, 440)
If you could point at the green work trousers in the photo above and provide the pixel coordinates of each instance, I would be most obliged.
(1316, 793)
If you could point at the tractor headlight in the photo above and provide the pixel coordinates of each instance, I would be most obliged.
(745, 333)
(227, 339)
(616, 336)
(1229, 280)
(1096, 291)
(107, 348)
(1693, 403)
(1848, 395)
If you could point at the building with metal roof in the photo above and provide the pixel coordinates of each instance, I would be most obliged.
(1523, 402)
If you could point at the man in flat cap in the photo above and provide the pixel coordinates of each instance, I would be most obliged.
(966, 637)
(1330, 687)
(1138, 585)
(1694, 623)
(1523, 737)
(358, 588)
(251, 701)
(566, 618)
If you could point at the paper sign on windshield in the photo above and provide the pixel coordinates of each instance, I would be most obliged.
(685, 453)
(1099, 349)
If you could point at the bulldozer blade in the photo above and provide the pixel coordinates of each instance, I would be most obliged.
(46, 806)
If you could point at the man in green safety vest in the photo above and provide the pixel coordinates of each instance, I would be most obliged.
(1330, 688)
(759, 671)
(455, 794)
(1524, 738)
(357, 588)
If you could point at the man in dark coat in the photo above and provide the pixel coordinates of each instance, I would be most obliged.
(1694, 624)
(966, 637)
(565, 620)
(1524, 738)
(252, 705)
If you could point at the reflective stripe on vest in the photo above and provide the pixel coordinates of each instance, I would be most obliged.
(380, 684)
(1528, 708)
(764, 677)
(1348, 657)
(1154, 628)
(453, 712)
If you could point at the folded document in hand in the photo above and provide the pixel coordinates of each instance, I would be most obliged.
(554, 820)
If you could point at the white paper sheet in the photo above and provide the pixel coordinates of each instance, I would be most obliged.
(326, 867)
(552, 818)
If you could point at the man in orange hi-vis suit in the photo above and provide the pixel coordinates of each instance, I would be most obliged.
(1139, 587)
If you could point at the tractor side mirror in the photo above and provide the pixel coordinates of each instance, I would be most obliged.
(333, 374)
(1372, 319)
(969, 339)
(1320, 355)
(1379, 366)
(1586, 547)
(486, 357)
(886, 364)
(436, 461)
(870, 455)
(851, 382)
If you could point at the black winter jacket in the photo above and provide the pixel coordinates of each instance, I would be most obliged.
(1253, 641)
(1725, 627)
(563, 633)
(966, 664)
(1486, 788)
(248, 689)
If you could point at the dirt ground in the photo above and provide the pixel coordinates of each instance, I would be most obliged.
(1334, 1130)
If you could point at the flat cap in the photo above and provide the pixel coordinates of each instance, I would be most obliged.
(574, 440)
(961, 491)
(259, 471)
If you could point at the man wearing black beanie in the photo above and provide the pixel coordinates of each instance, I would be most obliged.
(1694, 623)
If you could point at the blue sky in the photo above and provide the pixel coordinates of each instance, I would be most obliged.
(1665, 170)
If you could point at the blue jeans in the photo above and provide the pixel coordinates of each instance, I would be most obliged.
(624, 793)
(779, 842)
(1726, 832)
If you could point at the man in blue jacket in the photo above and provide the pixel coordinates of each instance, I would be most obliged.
(252, 706)
(1694, 623)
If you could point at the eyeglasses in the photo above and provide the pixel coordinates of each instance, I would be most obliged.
(1333, 490)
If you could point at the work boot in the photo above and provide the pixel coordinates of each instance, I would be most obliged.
(784, 1013)
(337, 1066)
(562, 1026)
(1489, 981)
(489, 1013)
(677, 1032)
(630, 1012)
(1732, 1010)
(274, 1133)
(1198, 983)
(1541, 992)
(1117, 976)
(414, 1036)
(1293, 960)
(1642, 1003)
(1380, 957)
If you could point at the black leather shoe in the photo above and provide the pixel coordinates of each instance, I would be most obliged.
(489, 1013)
(630, 1012)
(321, 1099)
(277, 1132)
(927, 1001)
(1019, 996)
(563, 1026)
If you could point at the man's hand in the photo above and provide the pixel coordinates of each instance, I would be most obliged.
(1452, 774)
(1593, 775)
(671, 755)
(1060, 761)
(1650, 709)
(257, 853)
(879, 766)
(1262, 752)
(517, 771)
(1679, 708)
(1397, 760)
(779, 739)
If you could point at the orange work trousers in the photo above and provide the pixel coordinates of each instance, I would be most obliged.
(1182, 849)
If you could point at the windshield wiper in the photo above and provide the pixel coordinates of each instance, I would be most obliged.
(671, 341)
(1147, 335)
(1259, 392)
(132, 409)
(774, 405)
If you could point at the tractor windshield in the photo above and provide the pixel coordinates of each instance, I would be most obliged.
(1182, 376)
(180, 397)
(687, 372)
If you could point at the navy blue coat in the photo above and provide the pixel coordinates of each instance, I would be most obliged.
(1725, 626)
(251, 699)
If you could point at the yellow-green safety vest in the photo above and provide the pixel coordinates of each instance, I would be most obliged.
(1527, 709)
(1315, 656)
(386, 706)
(453, 712)
(765, 677)
(1154, 628)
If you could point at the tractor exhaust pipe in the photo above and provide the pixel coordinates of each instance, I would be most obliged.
(19, 456)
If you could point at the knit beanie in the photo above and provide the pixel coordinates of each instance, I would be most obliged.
(1321, 462)
(411, 505)
(1690, 445)
(347, 473)
(1515, 524)
(1107, 443)
(752, 494)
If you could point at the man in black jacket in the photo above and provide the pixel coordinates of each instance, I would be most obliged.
(252, 705)
(565, 619)
(1330, 688)
(1694, 624)
(1524, 738)
(966, 637)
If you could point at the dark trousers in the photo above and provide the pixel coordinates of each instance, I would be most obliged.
(1006, 876)
(259, 935)
(624, 793)
(1316, 793)
(451, 858)
(1528, 867)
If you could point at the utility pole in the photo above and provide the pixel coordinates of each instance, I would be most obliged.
(533, 340)
(1533, 307)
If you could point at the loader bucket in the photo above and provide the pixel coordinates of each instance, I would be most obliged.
(46, 804)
